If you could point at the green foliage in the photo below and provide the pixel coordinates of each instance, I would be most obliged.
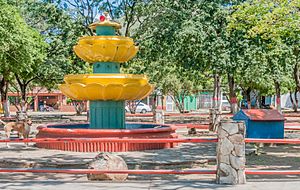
(22, 48)
(170, 78)
(38, 38)
(61, 33)
(271, 28)
(183, 43)
(271, 20)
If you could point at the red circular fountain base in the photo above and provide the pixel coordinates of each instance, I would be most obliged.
(82, 131)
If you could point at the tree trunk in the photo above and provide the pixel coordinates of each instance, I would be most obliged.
(79, 106)
(248, 97)
(178, 102)
(232, 94)
(258, 101)
(297, 76)
(215, 112)
(278, 100)
(132, 105)
(23, 87)
(4, 97)
(214, 119)
(6, 109)
(23, 103)
(293, 102)
(296, 100)
(154, 108)
(182, 104)
(162, 102)
(178, 99)
(296, 69)
(217, 96)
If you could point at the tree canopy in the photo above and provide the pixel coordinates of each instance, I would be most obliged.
(185, 45)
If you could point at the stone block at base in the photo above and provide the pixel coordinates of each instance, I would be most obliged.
(107, 161)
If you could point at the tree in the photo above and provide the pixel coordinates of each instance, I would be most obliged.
(61, 33)
(21, 47)
(190, 33)
(86, 11)
(169, 78)
(155, 34)
(26, 75)
(272, 27)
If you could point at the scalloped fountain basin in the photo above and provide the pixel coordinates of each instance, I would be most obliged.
(81, 130)
(105, 49)
(106, 87)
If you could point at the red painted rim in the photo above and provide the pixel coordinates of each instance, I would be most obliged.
(166, 128)
(168, 131)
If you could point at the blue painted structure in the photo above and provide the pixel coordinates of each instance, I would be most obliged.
(261, 123)
(107, 114)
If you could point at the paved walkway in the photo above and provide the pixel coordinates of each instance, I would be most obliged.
(188, 152)
(146, 184)
(184, 157)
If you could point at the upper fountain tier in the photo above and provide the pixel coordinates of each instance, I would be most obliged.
(94, 49)
(106, 51)
(105, 47)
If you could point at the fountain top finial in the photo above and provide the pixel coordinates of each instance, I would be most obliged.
(105, 20)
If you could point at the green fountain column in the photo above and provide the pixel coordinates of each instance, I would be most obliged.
(107, 114)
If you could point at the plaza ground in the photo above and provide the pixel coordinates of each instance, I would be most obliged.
(195, 156)
(185, 156)
(146, 185)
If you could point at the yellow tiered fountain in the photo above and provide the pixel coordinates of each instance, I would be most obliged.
(106, 89)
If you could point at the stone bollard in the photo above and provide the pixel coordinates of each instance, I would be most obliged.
(160, 117)
(231, 153)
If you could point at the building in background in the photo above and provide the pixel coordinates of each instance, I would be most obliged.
(44, 100)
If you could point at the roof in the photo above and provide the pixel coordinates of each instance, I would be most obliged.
(263, 115)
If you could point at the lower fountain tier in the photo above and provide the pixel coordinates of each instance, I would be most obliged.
(106, 87)
(82, 130)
